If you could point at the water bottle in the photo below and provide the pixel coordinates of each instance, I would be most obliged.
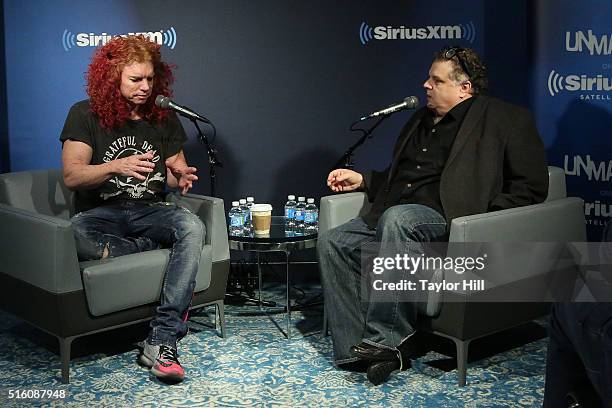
(236, 220)
(299, 215)
(250, 202)
(290, 214)
(311, 217)
(246, 215)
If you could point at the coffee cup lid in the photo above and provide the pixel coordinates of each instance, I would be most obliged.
(261, 207)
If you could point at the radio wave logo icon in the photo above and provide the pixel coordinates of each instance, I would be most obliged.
(365, 33)
(90, 39)
(68, 40)
(169, 38)
(555, 83)
(468, 31)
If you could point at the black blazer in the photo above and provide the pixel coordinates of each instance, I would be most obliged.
(497, 161)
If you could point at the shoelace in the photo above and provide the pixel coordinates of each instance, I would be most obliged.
(167, 353)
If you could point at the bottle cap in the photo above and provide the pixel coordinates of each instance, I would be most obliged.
(301, 198)
(291, 197)
(250, 199)
(242, 201)
(310, 201)
(235, 203)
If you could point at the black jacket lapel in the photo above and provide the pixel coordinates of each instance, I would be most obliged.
(473, 116)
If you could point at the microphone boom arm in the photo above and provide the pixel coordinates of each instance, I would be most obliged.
(346, 161)
(213, 161)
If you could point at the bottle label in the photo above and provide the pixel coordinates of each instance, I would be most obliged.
(310, 217)
(236, 221)
(299, 215)
(290, 212)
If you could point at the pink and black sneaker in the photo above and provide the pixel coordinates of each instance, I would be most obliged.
(163, 362)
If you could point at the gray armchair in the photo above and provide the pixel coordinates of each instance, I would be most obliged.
(458, 315)
(44, 284)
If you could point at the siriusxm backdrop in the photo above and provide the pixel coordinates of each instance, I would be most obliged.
(283, 79)
(572, 100)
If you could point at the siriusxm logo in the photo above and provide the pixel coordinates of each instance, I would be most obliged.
(69, 40)
(460, 31)
(598, 171)
(597, 209)
(572, 83)
(600, 45)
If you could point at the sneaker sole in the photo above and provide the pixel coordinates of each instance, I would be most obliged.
(145, 361)
(169, 377)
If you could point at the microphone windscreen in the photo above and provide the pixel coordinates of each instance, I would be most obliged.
(162, 101)
(411, 102)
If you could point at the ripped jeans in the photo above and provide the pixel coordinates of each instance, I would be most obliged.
(129, 227)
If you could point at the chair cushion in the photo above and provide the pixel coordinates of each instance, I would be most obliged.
(133, 280)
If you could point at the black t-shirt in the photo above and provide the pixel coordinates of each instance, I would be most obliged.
(135, 137)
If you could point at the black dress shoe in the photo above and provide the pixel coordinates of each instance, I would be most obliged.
(359, 366)
(382, 361)
(368, 352)
(379, 371)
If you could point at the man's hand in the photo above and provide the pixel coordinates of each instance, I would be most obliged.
(136, 166)
(185, 175)
(344, 180)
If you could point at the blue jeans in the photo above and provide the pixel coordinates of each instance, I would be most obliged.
(352, 318)
(579, 351)
(129, 227)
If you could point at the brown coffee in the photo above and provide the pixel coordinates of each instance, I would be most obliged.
(262, 218)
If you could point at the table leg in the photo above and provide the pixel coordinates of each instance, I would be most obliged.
(288, 254)
(259, 276)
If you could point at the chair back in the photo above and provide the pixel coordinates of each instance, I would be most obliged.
(39, 191)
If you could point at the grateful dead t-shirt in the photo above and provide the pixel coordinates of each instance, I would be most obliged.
(135, 137)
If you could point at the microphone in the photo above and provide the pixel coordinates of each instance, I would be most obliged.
(166, 103)
(410, 102)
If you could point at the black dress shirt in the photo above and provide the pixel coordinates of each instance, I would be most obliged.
(420, 165)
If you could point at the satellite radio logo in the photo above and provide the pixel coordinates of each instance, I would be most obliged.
(573, 83)
(594, 44)
(457, 32)
(70, 40)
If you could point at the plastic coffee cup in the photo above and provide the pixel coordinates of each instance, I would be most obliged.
(262, 218)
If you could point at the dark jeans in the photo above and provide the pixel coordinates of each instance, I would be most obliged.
(579, 351)
(130, 227)
(353, 318)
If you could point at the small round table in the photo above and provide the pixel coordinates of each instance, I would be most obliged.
(279, 240)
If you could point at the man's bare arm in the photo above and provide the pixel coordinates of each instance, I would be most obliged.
(179, 174)
(80, 174)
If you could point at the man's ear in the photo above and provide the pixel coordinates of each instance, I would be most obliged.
(466, 88)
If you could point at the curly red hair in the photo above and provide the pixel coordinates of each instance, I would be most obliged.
(104, 80)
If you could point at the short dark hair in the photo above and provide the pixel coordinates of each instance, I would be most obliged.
(465, 62)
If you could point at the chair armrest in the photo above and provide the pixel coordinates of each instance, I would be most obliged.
(39, 249)
(528, 257)
(556, 184)
(553, 221)
(212, 213)
(338, 209)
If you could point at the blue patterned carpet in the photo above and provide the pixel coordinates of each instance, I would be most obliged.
(255, 366)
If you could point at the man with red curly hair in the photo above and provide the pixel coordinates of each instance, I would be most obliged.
(119, 153)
